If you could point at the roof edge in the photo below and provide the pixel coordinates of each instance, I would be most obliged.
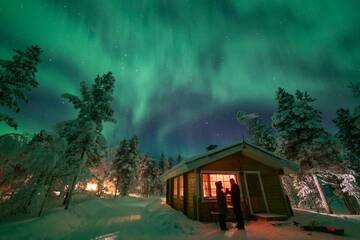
(185, 166)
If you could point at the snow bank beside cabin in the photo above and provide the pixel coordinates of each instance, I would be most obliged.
(350, 223)
(122, 218)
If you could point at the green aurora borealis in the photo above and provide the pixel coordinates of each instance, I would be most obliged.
(184, 68)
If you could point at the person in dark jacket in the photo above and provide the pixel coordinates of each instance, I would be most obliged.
(235, 199)
(222, 206)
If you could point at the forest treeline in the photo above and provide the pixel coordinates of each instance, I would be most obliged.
(48, 167)
(35, 169)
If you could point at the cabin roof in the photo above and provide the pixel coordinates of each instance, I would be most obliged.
(250, 150)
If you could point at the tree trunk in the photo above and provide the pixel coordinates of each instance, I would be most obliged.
(116, 186)
(72, 186)
(100, 188)
(32, 194)
(26, 207)
(322, 195)
(46, 196)
(66, 196)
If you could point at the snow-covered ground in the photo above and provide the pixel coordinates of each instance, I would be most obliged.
(136, 218)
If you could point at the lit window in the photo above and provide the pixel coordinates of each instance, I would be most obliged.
(181, 185)
(209, 180)
(175, 187)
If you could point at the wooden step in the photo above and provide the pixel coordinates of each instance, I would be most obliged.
(268, 217)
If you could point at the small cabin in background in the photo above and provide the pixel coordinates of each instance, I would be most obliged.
(190, 185)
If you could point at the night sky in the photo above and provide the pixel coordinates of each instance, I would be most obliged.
(184, 68)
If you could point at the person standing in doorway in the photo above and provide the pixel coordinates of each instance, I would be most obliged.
(235, 199)
(222, 206)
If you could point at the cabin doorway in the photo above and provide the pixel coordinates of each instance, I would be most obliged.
(255, 192)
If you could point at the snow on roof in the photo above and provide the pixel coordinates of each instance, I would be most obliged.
(261, 155)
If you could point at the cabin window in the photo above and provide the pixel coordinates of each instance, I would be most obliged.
(181, 186)
(175, 188)
(209, 180)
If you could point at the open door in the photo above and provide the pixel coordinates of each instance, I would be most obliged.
(255, 192)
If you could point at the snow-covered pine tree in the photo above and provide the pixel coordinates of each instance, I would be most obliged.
(120, 166)
(135, 159)
(17, 76)
(124, 164)
(83, 134)
(157, 186)
(168, 163)
(162, 163)
(260, 134)
(165, 163)
(179, 159)
(160, 171)
(298, 125)
(282, 121)
(349, 136)
(145, 176)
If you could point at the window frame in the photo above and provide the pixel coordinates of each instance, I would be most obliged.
(181, 186)
(176, 188)
(207, 199)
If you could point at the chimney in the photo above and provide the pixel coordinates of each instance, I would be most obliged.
(211, 147)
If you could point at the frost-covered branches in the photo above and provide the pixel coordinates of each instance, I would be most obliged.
(259, 133)
(41, 162)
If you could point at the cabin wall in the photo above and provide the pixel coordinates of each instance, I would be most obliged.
(177, 200)
(178, 203)
(185, 204)
(189, 194)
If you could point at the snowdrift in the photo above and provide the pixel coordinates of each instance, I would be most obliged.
(139, 218)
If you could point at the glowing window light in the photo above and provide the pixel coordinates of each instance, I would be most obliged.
(91, 186)
(108, 187)
(208, 183)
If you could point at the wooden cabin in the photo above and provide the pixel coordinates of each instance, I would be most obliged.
(190, 185)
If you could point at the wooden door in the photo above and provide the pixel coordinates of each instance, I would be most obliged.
(255, 193)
